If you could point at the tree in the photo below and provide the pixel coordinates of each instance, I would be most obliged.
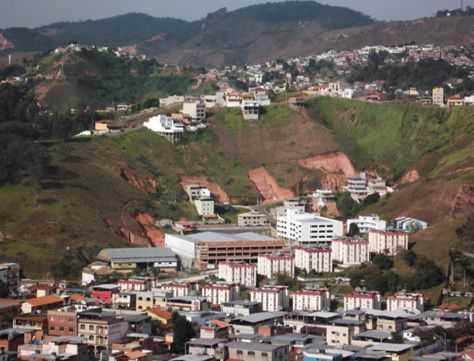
(409, 257)
(353, 230)
(346, 205)
(182, 332)
(382, 261)
(4, 292)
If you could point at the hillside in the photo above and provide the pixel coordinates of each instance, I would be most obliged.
(432, 143)
(248, 35)
(93, 190)
(92, 78)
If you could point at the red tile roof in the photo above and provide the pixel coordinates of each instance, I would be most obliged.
(44, 301)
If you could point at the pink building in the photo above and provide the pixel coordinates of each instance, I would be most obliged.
(272, 265)
(244, 274)
(362, 300)
(405, 301)
(272, 298)
(350, 252)
(311, 300)
(317, 259)
(387, 242)
(220, 293)
(178, 289)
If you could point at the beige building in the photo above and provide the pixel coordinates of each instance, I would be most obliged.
(438, 96)
(387, 242)
(339, 335)
(316, 259)
(100, 331)
(205, 207)
(195, 109)
(252, 219)
(240, 273)
(150, 299)
(273, 265)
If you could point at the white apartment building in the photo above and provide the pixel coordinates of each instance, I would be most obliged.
(350, 252)
(166, 127)
(307, 229)
(272, 298)
(250, 110)
(196, 109)
(252, 219)
(405, 301)
(171, 100)
(311, 300)
(220, 293)
(233, 100)
(272, 265)
(317, 259)
(244, 274)
(387, 242)
(205, 207)
(177, 289)
(195, 191)
(357, 187)
(367, 223)
(362, 300)
(438, 96)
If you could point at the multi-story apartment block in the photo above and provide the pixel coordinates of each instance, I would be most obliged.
(62, 322)
(150, 299)
(367, 223)
(220, 293)
(405, 301)
(244, 274)
(362, 300)
(177, 289)
(272, 265)
(10, 276)
(307, 229)
(100, 330)
(317, 259)
(387, 242)
(350, 252)
(205, 207)
(252, 219)
(272, 298)
(311, 300)
(196, 109)
(357, 187)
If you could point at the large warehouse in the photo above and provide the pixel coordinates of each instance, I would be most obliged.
(131, 258)
(207, 249)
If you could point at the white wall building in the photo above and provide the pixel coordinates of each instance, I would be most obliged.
(250, 110)
(387, 242)
(307, 229)
(244, 274)
(350, 252)
(205, 207)
(252, 219)
(405, 301)
(311, 300)
(272, 298)
(318, 259)
(272, 265)
(362, 300)
(196, 109)
(166, 127)
(367, 223)
(219, 293)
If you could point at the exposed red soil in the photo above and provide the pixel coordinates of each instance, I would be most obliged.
(463, 203)
(145, 184)
(216, 190)
(268, 187)
(336, 167)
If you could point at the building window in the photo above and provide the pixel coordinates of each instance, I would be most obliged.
(251, 353)
(239, 352)
(83, 327)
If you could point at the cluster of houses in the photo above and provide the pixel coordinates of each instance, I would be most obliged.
(234, 315)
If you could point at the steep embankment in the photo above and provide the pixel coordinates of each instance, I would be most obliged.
(98, 191)
(432, 147)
